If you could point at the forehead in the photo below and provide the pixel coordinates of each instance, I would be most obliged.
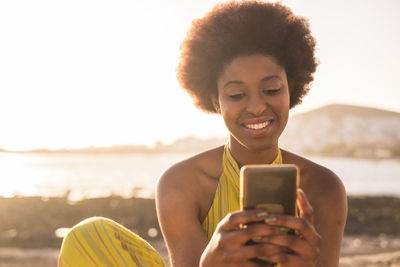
(252, 66)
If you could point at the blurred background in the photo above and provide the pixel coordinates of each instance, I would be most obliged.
(91, 114)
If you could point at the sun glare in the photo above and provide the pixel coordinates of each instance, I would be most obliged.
(16, 174)
(84, 73)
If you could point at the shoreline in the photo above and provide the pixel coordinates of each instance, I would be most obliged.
(31, 222)
(28, 226)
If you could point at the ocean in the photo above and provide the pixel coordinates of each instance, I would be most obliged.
(126, 174)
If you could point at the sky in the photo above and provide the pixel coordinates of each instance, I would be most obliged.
(100, 73)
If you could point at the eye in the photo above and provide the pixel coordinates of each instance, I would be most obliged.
(271, 91)
(237, 96)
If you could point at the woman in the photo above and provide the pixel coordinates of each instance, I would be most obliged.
(250, 62)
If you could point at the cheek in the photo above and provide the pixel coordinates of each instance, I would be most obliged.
(286, 108)
(222, 109)
(226, 108)
(229, 114)
(281, 103)
(287, 104)
(226, 114)
(286, 99)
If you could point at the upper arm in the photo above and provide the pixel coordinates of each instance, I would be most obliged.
(177, 209)
(330, 215)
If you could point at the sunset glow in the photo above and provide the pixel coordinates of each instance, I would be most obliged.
(90, 73)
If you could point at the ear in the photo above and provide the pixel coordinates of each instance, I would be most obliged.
(215, 104)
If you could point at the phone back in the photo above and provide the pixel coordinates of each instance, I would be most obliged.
(272, 188)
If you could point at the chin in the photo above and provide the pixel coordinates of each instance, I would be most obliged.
(258, 145)
(261, 147)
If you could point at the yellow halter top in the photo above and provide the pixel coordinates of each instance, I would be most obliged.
(226, 197)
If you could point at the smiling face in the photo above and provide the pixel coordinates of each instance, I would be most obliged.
(253, 99)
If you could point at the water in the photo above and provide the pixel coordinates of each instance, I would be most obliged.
(85, 175)
(366, 177)
(94, 175)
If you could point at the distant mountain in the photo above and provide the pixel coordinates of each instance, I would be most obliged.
(344, 130)
(182, 145)
(333, 130)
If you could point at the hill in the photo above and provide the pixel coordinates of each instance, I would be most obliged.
(344, 130)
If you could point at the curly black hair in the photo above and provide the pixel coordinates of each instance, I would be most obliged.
(235, 29)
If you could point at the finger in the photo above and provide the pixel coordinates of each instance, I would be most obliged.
(255, 251)
(257, 264)
(257, 231)
(295, 244)
(234, 220)
(231, 235)
(306, 210)
(245, 253)
(241, 236)
(285, 259)
(302, 226)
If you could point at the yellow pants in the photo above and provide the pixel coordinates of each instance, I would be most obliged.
(100, 241)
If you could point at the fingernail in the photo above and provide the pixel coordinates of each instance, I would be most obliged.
(284, 229)
(262, 214)
(303, 195)
(270, 219)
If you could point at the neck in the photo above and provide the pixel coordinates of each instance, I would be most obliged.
(244, 155)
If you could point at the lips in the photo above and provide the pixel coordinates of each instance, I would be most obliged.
(258, 126)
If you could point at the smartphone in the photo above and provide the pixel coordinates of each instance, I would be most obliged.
(269, 187)
(272, 188)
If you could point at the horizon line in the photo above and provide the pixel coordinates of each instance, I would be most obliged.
(153, 145)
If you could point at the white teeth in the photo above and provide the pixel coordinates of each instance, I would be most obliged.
(257, 126)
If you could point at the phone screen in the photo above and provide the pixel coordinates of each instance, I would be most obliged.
(272, 188)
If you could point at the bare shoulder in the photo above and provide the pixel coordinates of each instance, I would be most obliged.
(183, 195)
(324, 190)
(317, 180)
(327, 196)
(193, 174)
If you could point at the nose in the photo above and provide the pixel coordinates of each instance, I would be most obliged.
(255, 104)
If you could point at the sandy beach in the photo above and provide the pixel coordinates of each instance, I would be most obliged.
(29, 224)
(356, 252)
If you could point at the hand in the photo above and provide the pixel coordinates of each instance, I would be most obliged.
(302, 248)
(227, 246)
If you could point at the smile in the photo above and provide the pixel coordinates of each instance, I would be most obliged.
(257, 126)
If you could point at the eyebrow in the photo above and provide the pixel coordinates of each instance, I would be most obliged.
(266, 78)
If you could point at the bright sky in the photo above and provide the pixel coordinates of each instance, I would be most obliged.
(79, 72)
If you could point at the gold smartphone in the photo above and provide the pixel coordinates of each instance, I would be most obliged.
(272, 188)
(269, 187)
